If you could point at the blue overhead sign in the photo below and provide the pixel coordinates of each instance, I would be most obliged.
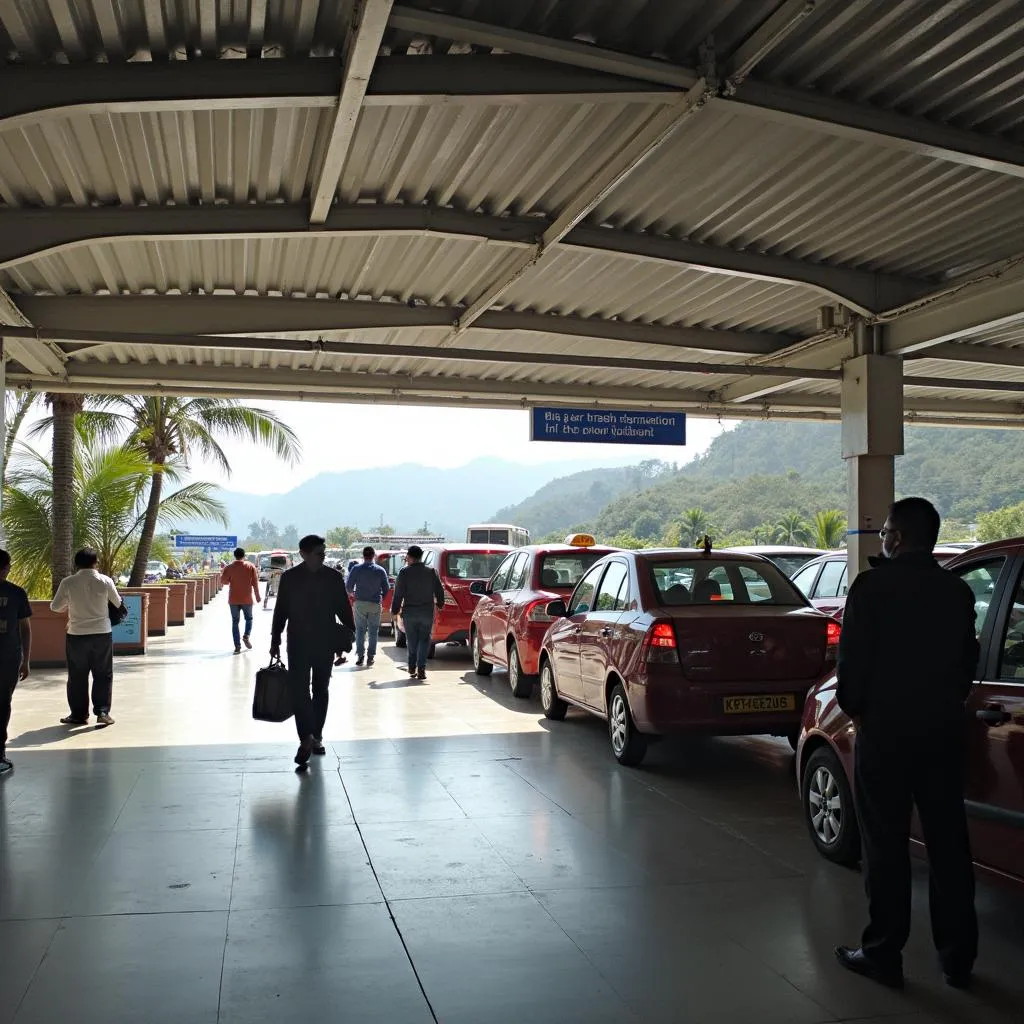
(607, 426)
(206, 541)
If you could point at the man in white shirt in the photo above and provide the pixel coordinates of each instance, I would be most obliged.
(90, 645)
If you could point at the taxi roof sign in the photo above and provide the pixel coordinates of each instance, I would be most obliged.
(580, 540)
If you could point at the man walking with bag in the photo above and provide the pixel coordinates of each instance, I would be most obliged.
(311, 601)
(87, 597)
(906, 695)
(15, 649)
(243, 582)
(368, 582)
(417, 592)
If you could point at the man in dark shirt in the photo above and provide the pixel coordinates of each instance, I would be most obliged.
(908, 655)
(311, 600)
(368, 583)
(15, 649)
(417, 590)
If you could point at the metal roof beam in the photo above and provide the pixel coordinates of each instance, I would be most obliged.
(365, 32)
(35, 355)
(772, 32)
(257, 314)
(27, 233)
(982, 355)
(92, 340)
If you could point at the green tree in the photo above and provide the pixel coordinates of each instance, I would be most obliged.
(263, 534)
(1002, 523)
(792, 528)
(628, 541)
(385, 530)
(829, 529)
(108, 508)
(647, 526)
(694, 525)
(343, 536)
(167, 428)
(19, 404)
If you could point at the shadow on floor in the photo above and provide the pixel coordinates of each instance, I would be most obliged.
(47, 735)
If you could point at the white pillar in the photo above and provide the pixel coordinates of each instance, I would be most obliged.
(872, 400)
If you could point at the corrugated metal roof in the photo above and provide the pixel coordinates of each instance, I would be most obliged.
(734, 180)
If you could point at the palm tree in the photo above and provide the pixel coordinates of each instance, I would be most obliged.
(829, 529)
(18, 406)
(109, 487)
(166, 429)
(693, 525)
(792, 528)
(64, 409)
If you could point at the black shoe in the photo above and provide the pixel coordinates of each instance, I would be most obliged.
(304, 752)
(369, 661)
(238, 650)
(318, 745)
(72, 720)
(421, 674)
(855, 960)
(962, 980)
(359, 661)
(412, 671)
(5, 766)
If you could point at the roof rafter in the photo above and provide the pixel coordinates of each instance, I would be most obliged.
(27, 233)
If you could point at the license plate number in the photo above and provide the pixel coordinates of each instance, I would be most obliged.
(753, 705)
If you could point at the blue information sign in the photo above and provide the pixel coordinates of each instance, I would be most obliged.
(607, 426)
(129, 630)
(206, 541)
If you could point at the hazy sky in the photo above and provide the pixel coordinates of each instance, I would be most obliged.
(339, 437)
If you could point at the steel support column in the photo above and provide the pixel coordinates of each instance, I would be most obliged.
(872, 433)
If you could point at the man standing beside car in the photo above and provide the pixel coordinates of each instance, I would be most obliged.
(243, 583)
(908, 656)
(368, 582)
(417, 591)
(311, 601)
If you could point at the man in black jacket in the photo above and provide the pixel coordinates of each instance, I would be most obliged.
(417, 591)
(907, 660)
(311, 600)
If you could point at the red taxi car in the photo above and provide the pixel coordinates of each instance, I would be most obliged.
(510, 620)
(459, 566)
(995, 724)
(676, 641)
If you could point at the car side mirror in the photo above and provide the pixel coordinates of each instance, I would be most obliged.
(556, 609)
(480, 588)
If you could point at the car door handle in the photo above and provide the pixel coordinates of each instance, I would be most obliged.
(993, 716)
(606, 631)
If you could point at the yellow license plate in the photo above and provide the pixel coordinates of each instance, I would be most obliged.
(753, 705)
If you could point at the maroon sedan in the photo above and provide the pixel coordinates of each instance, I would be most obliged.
(995, 722)
(675, 641)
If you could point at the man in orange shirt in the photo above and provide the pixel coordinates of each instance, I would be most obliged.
(243, 582)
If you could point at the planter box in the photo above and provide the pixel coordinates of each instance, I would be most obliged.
(200, 596)
(190, 599)
(131, 635)
(159, 597)
(49, 630)
(177, 600)
(207, 589)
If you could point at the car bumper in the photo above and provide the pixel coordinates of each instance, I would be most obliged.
(451, 626)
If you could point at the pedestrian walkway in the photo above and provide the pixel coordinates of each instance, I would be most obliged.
(455, 857)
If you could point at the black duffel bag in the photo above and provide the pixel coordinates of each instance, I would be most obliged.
(272, 699)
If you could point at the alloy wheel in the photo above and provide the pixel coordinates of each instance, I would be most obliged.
(547, 687)
(826, 806)
(619, 725)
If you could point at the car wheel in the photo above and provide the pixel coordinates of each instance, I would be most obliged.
(551, 704)
(628, 745)
(521, 683)
(480, 667)
(399, 638)
(828, 808)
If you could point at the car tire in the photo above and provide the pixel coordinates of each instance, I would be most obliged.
(551, 704)
(480, 667)
(828, 808)
(521, 683)
(400, 640)
(628, 745)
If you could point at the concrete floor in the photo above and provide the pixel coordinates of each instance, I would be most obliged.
(455, 857)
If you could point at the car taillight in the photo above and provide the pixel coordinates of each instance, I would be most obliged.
(833, 630)
(449, 597)
(661, 642)
(537, 612)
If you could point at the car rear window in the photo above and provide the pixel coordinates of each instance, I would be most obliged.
(473, 565)
(789, 563)
(566, 569)
(705, 582)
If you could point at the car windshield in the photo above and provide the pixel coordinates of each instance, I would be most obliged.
(706, 581)
(566, 568)
(154, 566)
(473, 565)
(789, 564)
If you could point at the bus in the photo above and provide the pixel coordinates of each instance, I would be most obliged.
(497, 533)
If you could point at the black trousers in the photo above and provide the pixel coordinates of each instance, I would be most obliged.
(309, 672)
(8, 681)
(92, 654)
(893, 773)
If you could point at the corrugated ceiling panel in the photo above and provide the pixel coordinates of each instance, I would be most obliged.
(734, 180)
(519, 159)
(191, 156)
(595, 284)
(438, 270)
